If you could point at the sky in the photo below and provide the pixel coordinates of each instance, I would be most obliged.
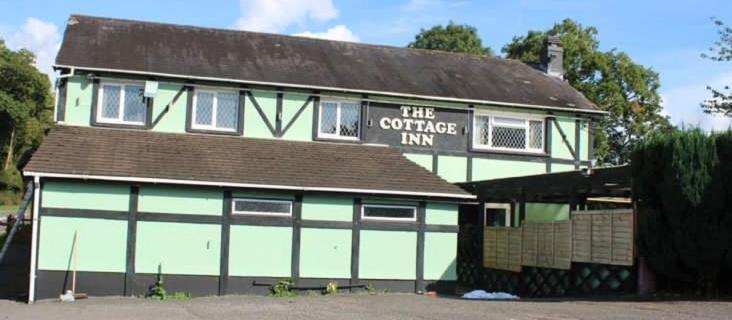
(667, 36)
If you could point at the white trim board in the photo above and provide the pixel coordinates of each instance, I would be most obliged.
(245, 185)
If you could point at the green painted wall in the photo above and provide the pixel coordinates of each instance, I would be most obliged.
(440, 256)
(257, 251)
(334, 208)
(484, 169)
(325, 253)
(173, 120)
(452, 168)
(101, 244)
(254, 125)
(78, 101)
(441, 213)
(85, 195)
(302, 128)
(559, 147)
(179, 248)
(424, 160)
(584, 141)
(543, 212)
(181, 200)
(388, 255)
(556, 167)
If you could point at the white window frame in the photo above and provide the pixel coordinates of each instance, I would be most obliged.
(121, 113)
(516, 116)
(364, 217)
(505, 206)
(214, 110)
(337, 134)
(258, 213)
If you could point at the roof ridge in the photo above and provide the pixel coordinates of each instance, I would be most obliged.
(292, 37)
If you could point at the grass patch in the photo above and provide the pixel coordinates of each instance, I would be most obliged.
(9, 208)
(2, 238)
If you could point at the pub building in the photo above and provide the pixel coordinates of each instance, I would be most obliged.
(229, 160)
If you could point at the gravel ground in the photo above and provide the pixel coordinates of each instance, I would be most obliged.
(388, 306)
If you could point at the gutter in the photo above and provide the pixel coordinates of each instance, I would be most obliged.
(342, 90)
(246, 185)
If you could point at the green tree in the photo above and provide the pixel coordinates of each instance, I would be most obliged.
(627, 90)
(25, 112)
(721, 101)
(452, 38)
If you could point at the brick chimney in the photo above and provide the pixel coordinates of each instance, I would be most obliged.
(553, 57)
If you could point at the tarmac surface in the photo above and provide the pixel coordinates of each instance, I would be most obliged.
(360, 306)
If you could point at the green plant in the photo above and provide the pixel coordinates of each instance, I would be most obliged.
(157, 290)
(179, 296)
(371, 289)
(331, 288)
(283, 288)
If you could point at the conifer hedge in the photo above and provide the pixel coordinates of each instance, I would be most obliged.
(682, 184)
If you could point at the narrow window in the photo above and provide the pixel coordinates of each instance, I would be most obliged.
(215, 110)
(508, 133)
(388, 212)
(121, 104)
(339, 120)
(497, 215)
(262, 207)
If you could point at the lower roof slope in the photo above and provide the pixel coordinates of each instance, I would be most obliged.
(133, 155)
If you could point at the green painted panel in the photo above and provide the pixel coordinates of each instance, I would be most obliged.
(452, 168)
(424, 160)
(101, 244)
(254, 125)
(388, 255)
(562, 167)
(325, 253)
(78, 101)
(257, 251)
(181, 200)
(546, 211)
(178, 248)
(86, 195)
(441, 213)
(559, 147)
(440, 256)
(484, 169)
(584, 141)
(302, 127)
(174, 119)
(332, 208)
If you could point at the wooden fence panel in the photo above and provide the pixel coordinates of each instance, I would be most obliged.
(547, 244)
(603, 236)
(502, 248)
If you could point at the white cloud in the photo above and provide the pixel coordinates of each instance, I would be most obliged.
(339, 32)
(682, 104)
(276, 15)
(40, 37)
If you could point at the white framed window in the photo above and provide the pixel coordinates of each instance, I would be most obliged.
(339, 120)
(497, 214)
(388, 212)
(261, 207)
(215, 110)
(121, 103)
(508, 132)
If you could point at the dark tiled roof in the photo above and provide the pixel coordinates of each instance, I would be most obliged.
(233, 160)
(185, 51)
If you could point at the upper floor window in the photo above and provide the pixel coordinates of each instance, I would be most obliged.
(121, 103)
(339, 120)
(215, 110)
(262, 207)
(508, 133)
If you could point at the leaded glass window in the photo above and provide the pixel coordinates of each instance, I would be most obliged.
(339, 120)
(388, 212)
(122, 104)
(262, 207)
(215, 110)
(508, 133)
